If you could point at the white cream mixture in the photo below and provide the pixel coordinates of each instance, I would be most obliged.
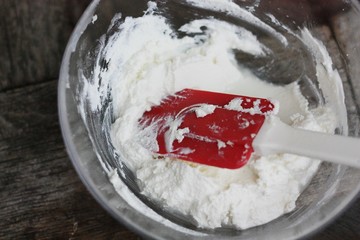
(155, 63)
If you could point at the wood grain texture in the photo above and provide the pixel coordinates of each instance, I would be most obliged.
(41, 196)
(33, 36)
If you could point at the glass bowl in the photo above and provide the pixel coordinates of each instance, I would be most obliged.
(86, 131)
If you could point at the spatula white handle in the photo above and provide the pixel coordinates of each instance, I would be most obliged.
(277, 137)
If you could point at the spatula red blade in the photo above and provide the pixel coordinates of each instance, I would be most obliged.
(222, 138)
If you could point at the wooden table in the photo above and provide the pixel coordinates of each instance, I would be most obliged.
(41, 194)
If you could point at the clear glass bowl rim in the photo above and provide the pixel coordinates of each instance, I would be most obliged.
(74, 156)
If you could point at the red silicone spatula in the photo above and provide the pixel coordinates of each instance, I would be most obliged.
(223, 130)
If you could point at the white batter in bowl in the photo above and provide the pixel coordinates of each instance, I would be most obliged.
(162, 57)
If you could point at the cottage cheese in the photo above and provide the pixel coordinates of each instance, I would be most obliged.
(156, 63)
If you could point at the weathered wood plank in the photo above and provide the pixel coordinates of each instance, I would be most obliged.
(41, 195)
(33, 36)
